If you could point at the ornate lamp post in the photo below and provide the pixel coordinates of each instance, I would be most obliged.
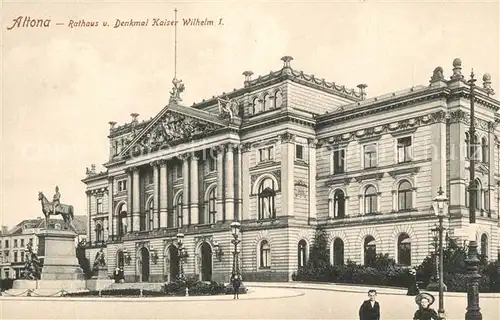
(472, 261)
(440, 206)
(182, 254)
(235, 230)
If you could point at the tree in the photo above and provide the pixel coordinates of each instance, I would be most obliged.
(319, 256)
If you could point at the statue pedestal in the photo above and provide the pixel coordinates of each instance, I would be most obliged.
(57, 247)
(60, 273)
(101, 273)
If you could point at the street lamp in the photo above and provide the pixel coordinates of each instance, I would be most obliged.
(235, 230)
(472, 261)
(440, 206)
(182, 254)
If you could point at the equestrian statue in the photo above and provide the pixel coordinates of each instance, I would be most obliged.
(55, 208)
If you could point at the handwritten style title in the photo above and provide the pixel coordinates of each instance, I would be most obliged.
(29, 22)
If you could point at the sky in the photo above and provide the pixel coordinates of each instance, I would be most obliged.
(60, 86)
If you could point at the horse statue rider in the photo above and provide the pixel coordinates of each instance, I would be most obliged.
(57, 208)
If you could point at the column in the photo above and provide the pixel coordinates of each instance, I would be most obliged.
(193, 161)
(129, 200)
(163, 194)
(238, 185)
(185, 192)
(111, 225)
(458, 174)
(312, 178)
(89, 217)
(245, 181)
(438, 156)
(136, 202)
(229, 185)
(492, 168)
(287, 176)
(156, 195)
(220, 184)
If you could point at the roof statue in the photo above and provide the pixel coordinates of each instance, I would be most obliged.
(57, 208)
(437, 75)
(487, 84)
(228, 108)
(177, 89)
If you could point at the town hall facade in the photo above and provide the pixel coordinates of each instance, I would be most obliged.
(282, 155)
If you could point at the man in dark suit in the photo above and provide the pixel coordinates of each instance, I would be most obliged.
(370, 309)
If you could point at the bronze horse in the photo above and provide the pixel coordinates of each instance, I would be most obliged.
(66, 211)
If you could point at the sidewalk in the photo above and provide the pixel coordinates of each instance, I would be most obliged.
(355, 288)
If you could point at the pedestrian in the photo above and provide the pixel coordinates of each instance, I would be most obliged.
(425, 312)
(236, 281)
(370, 309)
(413, 289)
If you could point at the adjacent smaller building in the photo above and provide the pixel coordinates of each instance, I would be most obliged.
(13, 242)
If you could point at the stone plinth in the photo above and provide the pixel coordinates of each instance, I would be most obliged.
(101, 272)
(57, 247)
(100, 279)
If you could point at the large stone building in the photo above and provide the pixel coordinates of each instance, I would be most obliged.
(13, 243)
(283, 154)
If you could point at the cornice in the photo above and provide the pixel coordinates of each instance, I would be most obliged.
(256, 123)
(363, 109)
(479, 97)
(403, 126)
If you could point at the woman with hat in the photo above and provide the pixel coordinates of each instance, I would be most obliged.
(424, 312)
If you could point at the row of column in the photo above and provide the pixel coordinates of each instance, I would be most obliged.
(225, 203)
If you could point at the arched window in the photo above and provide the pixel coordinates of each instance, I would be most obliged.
(122, 220)
(405, 195)
(267, 102)
(267, 195)
(484, 150)
(467, 145)
(479, 195)
(370, 250)
(338, 252)
(151, 215)
(278, 99)
(257, 106)
(370, 200)
(301, 253)
(337, 207)
(475, 148)
(265, 255)
(484, 245)
(99, 233)
(212, 209)
(178, 209)
(404, 249)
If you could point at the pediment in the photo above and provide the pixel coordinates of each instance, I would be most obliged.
(173, 125)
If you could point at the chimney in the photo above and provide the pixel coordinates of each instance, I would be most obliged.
(248, 77)
(134, 117)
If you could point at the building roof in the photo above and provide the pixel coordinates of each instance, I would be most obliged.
(79, 222)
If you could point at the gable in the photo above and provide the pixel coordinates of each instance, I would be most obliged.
(173, 125)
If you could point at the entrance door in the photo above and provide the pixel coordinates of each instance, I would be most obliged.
(145, 264)
(206, 262)
(174, 262)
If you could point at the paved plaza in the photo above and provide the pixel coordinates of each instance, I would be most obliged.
(270, 302)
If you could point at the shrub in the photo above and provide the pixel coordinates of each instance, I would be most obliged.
(195, 287)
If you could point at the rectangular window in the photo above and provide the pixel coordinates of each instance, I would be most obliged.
(22, 256)
(339, 161)
(179, 171)
(404, 150)
(15, 243)
(6, 243)
(15, 256)
(212, 163)
(370, 155)
(266, 154)
(150, 177)
(299, 152)
(99, 205)
(22, 243)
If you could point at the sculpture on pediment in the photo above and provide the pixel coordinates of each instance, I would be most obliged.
(177, 89)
